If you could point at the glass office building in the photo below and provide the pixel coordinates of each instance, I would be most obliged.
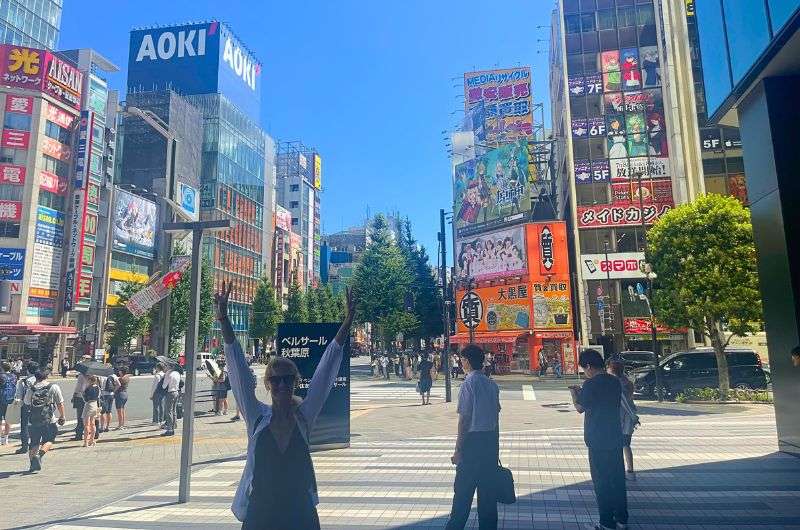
(34, 23)
(751, 72)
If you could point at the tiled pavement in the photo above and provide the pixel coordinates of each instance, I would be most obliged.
(696, 471)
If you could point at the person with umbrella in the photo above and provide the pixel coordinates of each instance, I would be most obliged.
(86, 368)
(77, 395)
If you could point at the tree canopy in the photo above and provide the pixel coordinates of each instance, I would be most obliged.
(126, 325)
(266, 312)
(705, 259)
(296, 307)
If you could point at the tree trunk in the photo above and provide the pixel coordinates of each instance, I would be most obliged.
(722, 361)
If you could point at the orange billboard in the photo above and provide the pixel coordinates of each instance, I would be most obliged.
(496, 308)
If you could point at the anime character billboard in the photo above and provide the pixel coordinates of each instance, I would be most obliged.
(493, 188)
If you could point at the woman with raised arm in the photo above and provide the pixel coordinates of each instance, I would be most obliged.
(278, 490)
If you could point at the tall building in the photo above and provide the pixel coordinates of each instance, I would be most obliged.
(751, 73)
(41, 97)
(341, 252)
(631, 152)
(90, 221)
(299, 185)
(212, 69)
(32, 23)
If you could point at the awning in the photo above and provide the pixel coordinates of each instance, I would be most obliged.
(496, 337)
(35, 329)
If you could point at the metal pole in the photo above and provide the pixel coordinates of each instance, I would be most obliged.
(448, 392)
(102, 307)
(191, 346)
(653, 334)
(169, 192)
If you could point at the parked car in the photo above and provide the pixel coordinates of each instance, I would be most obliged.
(698, 369)
(635, 359)
(200, 360)
(142, 364)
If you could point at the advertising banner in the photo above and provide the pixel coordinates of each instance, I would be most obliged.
(600, 216)
(618, 265)
(594, 84)
(577, 85)
(596, 126)
(651, 191)
(283, 218)
(12, 265)
(55, 149)
(317, 171)
(642, 326)
(53, 183)
(492, 255)
(41, 307)
(506, 96)
(650, 168)
(20, 104)
(58, 116)
(551, 305)
(21, 67)
(134, 224)
(189, 200)
(583, 172)
(10, 211)
(580, 127)
(496, 308)
(47, 254)
(196, 59)
(550, 283)
(144, 299)
(610, 65)
(493, 189)
(62, 80)
(305, 344)
(644, 101)
(15, 139)
(11, 174)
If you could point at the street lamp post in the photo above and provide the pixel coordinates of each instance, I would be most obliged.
(649, 296)
(197, 228)
(448, 392)
(470, 293)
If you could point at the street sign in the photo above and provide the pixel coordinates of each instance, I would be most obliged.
(471, 310)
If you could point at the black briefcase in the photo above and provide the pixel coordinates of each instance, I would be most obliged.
(504, 485)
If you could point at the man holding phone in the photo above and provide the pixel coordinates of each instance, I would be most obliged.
(599, 400)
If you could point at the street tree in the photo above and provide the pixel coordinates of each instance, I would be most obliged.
(330, 311)
(381, 280)
(180, 299)
(126, 325)
(266, 313)
(296, 308)
(424, 291)
(313, 304)
(705, 259)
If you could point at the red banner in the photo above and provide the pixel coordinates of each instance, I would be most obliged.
(58, 116)
(652, 191)
(600, 216)
(56, 149)
(22, 67)
(641, 326)
(21, 104)
(11, 174)
(53, 183)
(15, 139)
(10, 211)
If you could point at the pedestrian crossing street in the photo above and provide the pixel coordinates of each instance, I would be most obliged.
(407, 483)
(368, 392)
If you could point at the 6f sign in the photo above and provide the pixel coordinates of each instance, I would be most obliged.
(471, 310)
(546, 249)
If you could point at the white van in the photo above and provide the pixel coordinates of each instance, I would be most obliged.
(200, 361)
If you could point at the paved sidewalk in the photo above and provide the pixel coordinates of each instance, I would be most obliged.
(700, 467)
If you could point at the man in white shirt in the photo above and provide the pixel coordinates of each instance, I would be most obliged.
(43, 398)
(23, 384)
(171, 385)
(157, 395)
(478, 444)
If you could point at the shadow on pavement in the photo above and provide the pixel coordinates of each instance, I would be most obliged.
(79, 518)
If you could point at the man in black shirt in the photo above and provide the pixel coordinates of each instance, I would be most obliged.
(599, 399)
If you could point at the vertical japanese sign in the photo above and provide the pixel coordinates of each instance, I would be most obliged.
(506, 97)
(317, 171)
(76, 288)
(305, 344)
(46, 263)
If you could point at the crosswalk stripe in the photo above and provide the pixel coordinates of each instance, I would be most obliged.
(528, 394)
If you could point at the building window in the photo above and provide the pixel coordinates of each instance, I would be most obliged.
(588, 23)
(9, 155)
(735, 164)
(10, 192)
(295, 221)
(645, 16)
(606, 19)
(626, 17)
(53, 165)
(630, 240)
(57, 133)
(294, 187)
(294, 204)
(18, 121)
(572, 23)
(8, 229)
(592, 241)
(51, 200)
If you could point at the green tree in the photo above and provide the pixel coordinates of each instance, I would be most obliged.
(313, 306)
(705, 259)
(180, 299)
(266, 313)
(381, 280)
(424, 291)
(296, 308)
(126, 325)
(330, 311)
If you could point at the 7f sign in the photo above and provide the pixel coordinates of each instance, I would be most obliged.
(471, 310)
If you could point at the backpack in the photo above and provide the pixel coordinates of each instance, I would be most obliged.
(160, 391)
(109, 385)
(42, 406)
(8, 388)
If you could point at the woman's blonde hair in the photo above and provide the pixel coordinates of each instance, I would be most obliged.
(285, 362)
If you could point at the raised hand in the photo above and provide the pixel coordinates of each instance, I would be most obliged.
(351, 305)
(221, 300)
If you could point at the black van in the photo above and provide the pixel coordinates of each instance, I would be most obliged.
(698, 369)
(634, 359)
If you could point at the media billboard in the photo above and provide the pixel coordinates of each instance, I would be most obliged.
(493, 189)
(134, 224)
(203, 58)
(492, 255)
(506, 98)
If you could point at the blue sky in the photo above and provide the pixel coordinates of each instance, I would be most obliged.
(368, 83)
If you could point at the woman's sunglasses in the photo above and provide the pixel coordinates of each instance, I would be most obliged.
(275, 380)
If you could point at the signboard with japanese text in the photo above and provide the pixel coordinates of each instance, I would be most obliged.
(53, 183)
(305, 344)
(46, 262)
(55, 149)
(651, 191)
(11, 174)
(551, 305)
(600, 216)
(58, 116)
(583, 172)
(12, 265)
(189, 200)
(642, 326)
(579, 128)
(151, 294)
(21, 67)
(62, 80)
(493, 189)
(20, 104)
(10, 211)
(491, 255)
(576, 85)
(317, 171)
(627, 169)
(506, 97)
(134, 224)
(497, 308)
(594, 84)
(596, 126)
(15, 139)
(613, 266)
(283, 218)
